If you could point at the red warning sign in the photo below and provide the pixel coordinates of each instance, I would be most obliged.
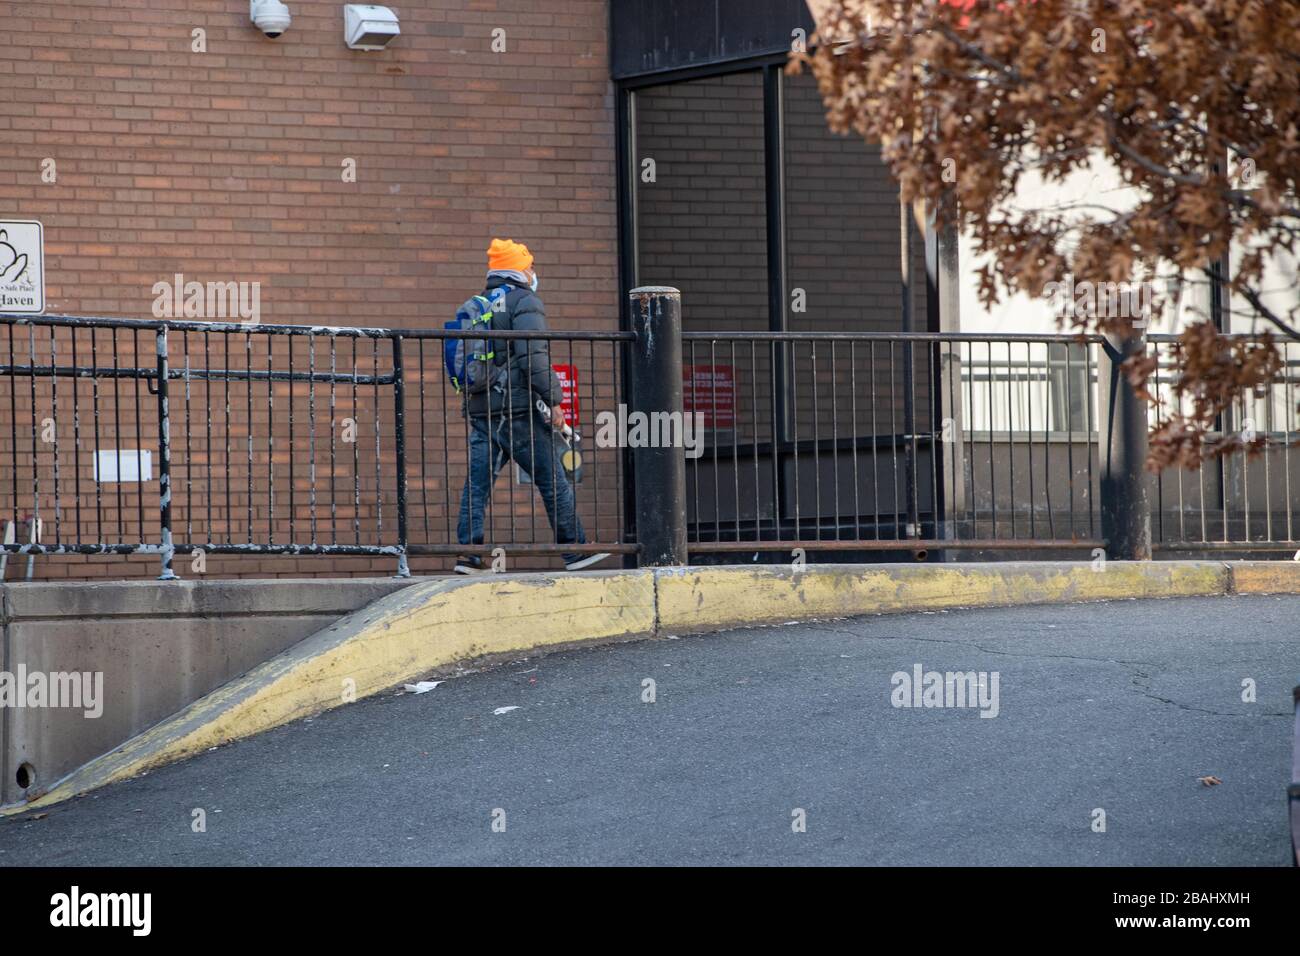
(568, 376)
(711, 391)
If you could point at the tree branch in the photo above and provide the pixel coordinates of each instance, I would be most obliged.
(1251, 296)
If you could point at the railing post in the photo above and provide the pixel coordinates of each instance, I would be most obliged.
(165, 459)
(1122, 447)
(950, 445)
(656, 379)
(399, 426)
(943, 314)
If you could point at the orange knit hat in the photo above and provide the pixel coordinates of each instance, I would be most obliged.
(506, 254)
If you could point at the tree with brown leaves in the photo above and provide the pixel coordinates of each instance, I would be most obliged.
(1195, 105)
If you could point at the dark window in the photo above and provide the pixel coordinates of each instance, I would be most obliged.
(841, 225)
(702, 219)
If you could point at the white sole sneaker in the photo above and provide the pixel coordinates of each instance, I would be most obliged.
(461, 568)
(586, 562)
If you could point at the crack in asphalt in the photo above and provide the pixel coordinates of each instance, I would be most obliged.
(1137, 677)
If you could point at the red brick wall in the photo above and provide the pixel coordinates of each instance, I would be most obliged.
(226, 166)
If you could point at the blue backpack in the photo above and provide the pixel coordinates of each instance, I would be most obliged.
(472, 363)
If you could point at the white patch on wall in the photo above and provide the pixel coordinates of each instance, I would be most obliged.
(123, 465)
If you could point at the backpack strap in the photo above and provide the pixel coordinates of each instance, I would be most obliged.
(502, 349)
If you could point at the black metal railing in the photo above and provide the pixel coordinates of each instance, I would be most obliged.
(270, 439)
(853, 441)
(318, 440)
(1240, 502)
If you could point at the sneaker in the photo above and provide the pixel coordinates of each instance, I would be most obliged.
(469, 564)
(585, 561)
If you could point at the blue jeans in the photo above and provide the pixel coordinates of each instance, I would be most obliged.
(527, 440)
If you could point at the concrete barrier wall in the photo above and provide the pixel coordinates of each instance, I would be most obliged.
(158, 646)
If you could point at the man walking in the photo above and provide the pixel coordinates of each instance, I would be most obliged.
(507, 421)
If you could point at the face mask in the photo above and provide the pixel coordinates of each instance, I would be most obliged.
(533, 284)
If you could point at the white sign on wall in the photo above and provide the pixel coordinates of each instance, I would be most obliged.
(124, 464)
(22, 267)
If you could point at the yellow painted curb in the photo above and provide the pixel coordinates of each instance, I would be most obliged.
(399, 637)
(1265, 577)
(705, 599)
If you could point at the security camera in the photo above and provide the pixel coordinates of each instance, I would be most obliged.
(269, 16)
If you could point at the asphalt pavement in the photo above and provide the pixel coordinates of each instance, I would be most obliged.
(773, 745)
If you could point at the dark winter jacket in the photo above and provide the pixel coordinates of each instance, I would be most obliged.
(531, 376)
